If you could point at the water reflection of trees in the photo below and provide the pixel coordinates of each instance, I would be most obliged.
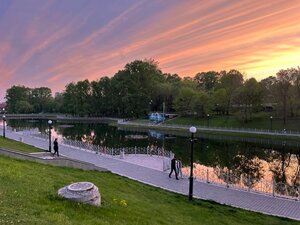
(236, 163)
(285, 166)
(17, 124)
(104, 135)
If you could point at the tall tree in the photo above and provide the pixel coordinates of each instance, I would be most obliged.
(135, 85)
(70, 99)
(267, 86)
(219, 101)
(101, 94)
(296, 78)
(77, 98)
(16, 98)
(230, 81)
(207, 80)
(200, 103)
(41, 99)
(283, 86)
(183, 102)
(83, 97)
(249, 97)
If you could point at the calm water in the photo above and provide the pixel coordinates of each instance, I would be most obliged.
(259, 158)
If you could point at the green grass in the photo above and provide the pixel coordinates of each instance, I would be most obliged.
(15, 145)
(225, 133)
(28, 196)
(259, 121)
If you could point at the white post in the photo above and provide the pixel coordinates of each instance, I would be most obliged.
(249, 182)
(163, 111)
(207, 176)
(273, 187)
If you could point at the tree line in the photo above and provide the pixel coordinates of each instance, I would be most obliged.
(141, 87)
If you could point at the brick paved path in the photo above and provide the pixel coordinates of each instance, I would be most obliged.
(241, 199)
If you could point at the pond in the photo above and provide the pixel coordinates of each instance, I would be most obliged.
(261, 159)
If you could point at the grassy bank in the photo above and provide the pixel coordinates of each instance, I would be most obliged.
(28, 196)
(259, 121)
(199, 132)
(19, 146)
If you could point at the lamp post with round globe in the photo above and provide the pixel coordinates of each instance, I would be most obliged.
(191, 179)
(207, 120)
(4, 124)
(50, 127)
(271, 122)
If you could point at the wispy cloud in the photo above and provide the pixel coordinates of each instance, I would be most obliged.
(51, 43)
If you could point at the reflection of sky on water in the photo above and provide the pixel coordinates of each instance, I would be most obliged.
(282, 171)
(55, 134)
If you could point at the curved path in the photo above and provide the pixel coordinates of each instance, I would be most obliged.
(241, 199)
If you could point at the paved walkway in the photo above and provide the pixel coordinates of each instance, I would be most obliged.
(241, 199)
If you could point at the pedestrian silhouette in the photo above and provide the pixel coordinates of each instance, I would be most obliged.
(55, 147)
(173, 167)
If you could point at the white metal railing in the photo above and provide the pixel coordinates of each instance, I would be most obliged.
(247, 183)
(113, 151)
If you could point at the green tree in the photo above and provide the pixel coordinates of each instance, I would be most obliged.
(230, 81)
(83, 97)
(219, 101)
(267, 86)
(77, 98)
(14, 95)
(183, 102)
(134, 87)
(200, 103)
(249, 97)
(58, 102)
(101, 97)
(23, 107)
(283, 85)
(207, 80)
(70, 103)
(41, 99)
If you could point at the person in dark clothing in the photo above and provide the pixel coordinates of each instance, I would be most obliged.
(55, 147)
(173, 168)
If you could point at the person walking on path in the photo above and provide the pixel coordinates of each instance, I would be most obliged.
(179, 166)
(173, 168)
(55, 147)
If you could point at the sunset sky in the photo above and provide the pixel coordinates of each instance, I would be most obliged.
(54, 42)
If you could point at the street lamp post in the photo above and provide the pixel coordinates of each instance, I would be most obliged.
(50, 127)
(163, 118)
(191, 179)
(4, 121)
(207, 120)
(150, 105)
(271, 122)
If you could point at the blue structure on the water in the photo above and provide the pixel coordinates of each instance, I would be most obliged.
(157, 135)
(157, 117)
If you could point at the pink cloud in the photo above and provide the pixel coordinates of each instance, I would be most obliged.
(257, 37)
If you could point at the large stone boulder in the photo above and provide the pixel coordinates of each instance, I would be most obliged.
(84, 192)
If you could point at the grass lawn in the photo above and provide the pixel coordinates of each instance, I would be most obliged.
(15, 145)
(28, 196)
(259, 121)
(225, 133)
